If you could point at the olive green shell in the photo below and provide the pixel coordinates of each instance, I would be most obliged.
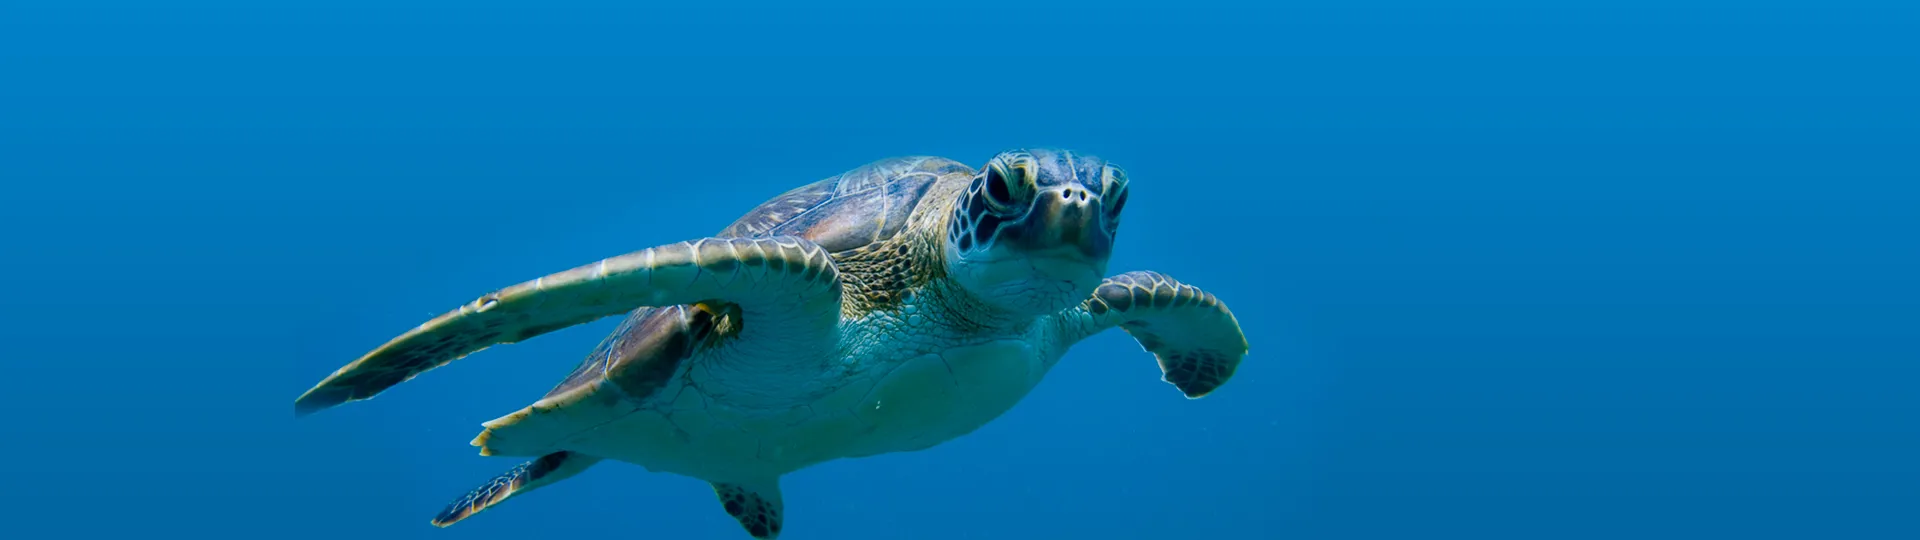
(857, 208)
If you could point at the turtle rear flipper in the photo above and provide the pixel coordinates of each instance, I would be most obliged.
(757, 506)
(527, 477)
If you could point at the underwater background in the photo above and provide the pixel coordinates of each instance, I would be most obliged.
(1508, 269)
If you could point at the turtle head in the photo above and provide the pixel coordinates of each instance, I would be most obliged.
(1032, 232)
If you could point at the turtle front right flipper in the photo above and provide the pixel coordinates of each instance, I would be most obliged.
(1193, 335)
(782, 284)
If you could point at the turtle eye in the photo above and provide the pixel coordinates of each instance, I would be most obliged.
(1001, 188)
(1115, 192)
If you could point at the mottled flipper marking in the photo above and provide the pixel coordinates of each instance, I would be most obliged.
(1192, 334)
(783, 283)
(757, 506)
(527, 477)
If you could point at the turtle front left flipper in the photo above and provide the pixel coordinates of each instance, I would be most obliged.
(1196, 339)
(784, 285)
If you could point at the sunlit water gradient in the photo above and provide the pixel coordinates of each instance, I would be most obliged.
(1626, 270)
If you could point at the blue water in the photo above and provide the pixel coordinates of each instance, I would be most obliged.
(1614, 270)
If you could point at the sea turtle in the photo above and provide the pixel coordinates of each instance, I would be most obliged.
(887, 309)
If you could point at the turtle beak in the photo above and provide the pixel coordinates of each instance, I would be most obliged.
(1066, 224)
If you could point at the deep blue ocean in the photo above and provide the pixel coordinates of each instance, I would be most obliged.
(1509, 270)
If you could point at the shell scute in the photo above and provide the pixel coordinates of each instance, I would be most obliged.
(849, 211)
